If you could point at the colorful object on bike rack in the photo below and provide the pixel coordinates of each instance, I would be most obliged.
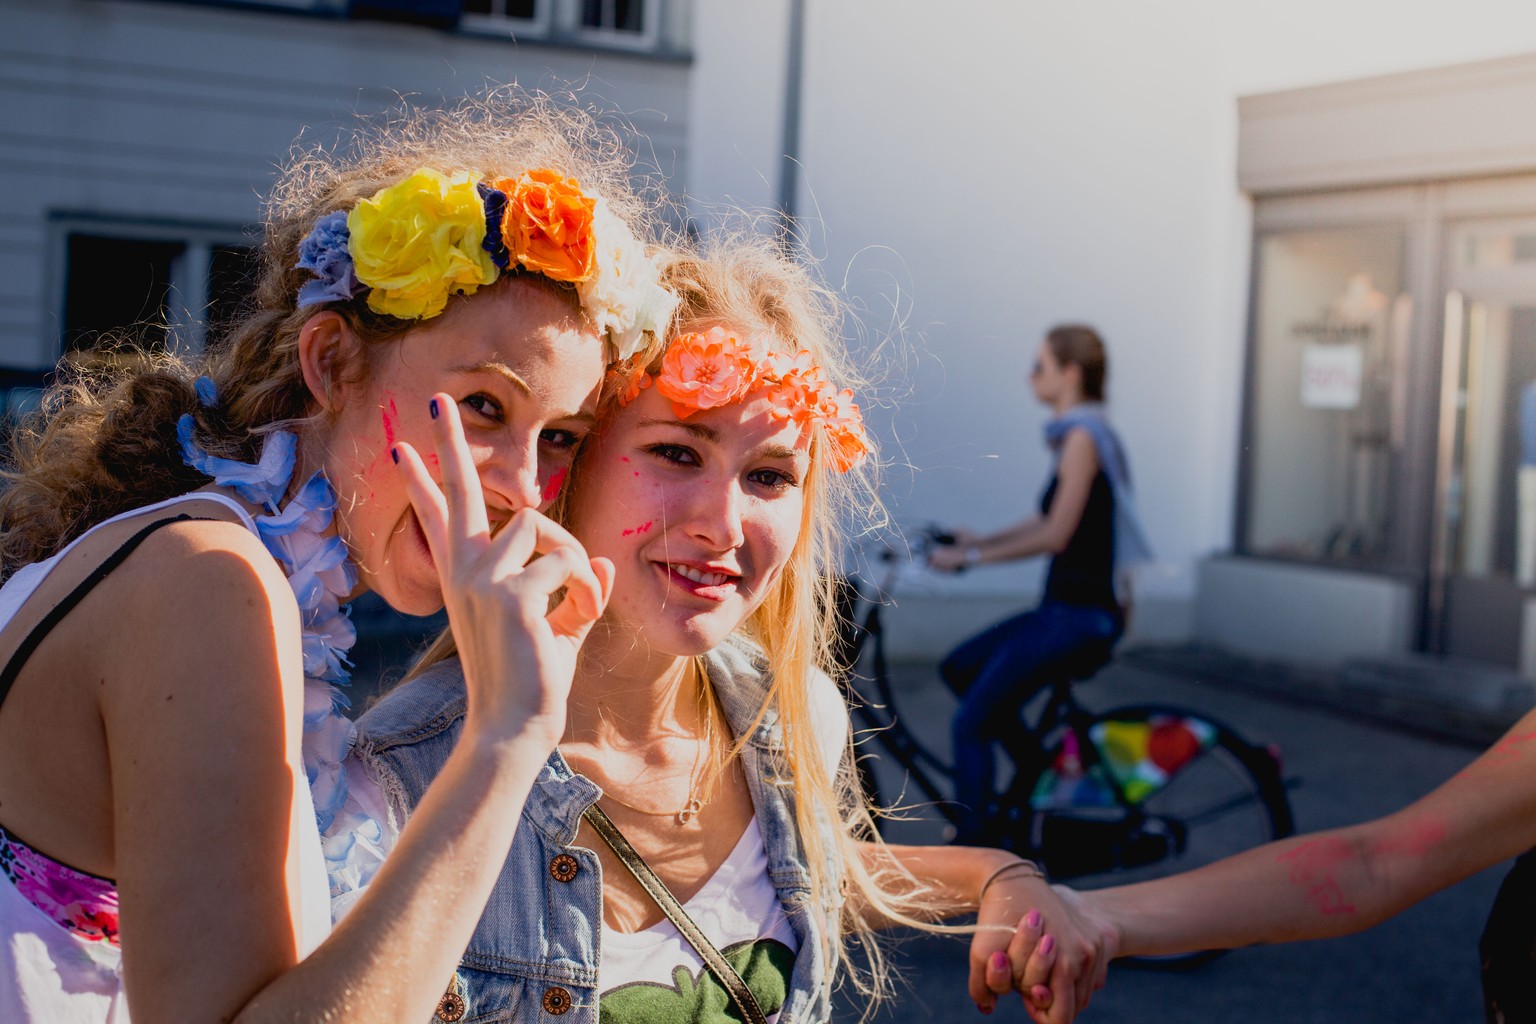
(1066, 784)
(1140, 754)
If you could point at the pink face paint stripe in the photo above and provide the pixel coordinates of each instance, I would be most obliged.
(389, 414)
(552, 488)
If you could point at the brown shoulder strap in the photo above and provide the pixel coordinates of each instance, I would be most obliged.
(56, 614)
(725, 974)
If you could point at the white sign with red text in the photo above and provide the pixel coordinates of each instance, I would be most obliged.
(1331, 376)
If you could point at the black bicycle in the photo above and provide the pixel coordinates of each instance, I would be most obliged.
(1140, 791)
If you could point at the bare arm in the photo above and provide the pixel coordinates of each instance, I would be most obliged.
(1010, 916)
(1344, 880)
(1315, 886)
(1037, 535)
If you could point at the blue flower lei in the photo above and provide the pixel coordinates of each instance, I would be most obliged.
(321, 575)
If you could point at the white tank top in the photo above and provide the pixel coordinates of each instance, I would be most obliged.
(50, 974)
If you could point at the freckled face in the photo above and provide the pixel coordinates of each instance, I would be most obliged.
(525, 368)
(699, 516)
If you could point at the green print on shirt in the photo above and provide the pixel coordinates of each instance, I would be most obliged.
(765, 965)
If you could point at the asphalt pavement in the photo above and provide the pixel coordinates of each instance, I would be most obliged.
(1420, 966)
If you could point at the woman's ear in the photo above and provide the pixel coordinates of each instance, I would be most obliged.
(327, 349)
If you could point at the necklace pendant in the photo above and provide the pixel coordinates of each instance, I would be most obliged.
(686, 815)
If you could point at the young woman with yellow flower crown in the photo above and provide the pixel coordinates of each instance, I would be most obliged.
(177, 546)
(701, 727)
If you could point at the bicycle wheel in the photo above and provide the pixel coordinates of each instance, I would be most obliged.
(1162, 790)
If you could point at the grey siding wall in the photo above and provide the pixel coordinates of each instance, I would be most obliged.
(178, 114)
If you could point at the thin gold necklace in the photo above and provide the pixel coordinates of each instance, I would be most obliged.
(690, 809)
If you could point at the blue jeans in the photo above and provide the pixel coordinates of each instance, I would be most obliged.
(994, 674)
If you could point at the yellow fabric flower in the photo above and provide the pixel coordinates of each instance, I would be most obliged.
(419, 241)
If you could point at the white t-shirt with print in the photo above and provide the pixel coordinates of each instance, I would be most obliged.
(655, 976)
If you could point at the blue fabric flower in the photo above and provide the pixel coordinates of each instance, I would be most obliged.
(207, 391)
(495, 211)
(262, 482)
(324, 253)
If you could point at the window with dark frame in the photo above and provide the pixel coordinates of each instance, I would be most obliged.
(627, 16)
(122, 288)
(117, 287)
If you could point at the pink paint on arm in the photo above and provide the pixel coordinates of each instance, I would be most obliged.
(552, 488)
(642, 528)
(1510, 748)
(1313, 866)
(1415, 839)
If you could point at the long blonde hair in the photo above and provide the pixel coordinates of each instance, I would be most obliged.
(104, 440)
(748, 285)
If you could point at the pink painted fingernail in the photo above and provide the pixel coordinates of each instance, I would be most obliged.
(1041, 995)
(999, 961)
(983, 1009)
(1047, 945)
(1032, 919)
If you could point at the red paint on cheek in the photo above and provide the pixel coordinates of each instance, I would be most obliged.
(1314, 867)
(388, 415)
(552, 488)
(642, 528)
(431, 459)
(623, 458)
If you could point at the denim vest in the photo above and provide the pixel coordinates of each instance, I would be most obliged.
(534, 953)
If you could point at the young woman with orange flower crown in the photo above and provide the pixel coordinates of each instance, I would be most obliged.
(701, 732)
(177, 546)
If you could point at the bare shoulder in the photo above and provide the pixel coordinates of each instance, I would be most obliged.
(203, 592)
(1079, 453)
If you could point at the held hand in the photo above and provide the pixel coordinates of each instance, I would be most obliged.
(518, 654)
(1058, 977)
(1056, 952)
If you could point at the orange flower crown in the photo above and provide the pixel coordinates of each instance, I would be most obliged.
(714, 368)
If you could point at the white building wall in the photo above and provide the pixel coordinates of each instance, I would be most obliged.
(978, 174)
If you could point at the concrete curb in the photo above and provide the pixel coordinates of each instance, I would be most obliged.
(1390, 694)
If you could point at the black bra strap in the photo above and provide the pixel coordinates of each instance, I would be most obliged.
(74, 597)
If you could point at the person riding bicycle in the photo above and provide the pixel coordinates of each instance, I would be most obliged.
(1089, 527)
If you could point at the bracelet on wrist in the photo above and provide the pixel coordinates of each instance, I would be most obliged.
(1034, 871)
(972, 555)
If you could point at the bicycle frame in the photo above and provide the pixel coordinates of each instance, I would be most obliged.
(887, 729)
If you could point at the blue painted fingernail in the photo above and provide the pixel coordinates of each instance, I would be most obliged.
(394, 453)
(432, 408)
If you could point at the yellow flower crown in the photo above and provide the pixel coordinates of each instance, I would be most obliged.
(714, 368)
(412, 245)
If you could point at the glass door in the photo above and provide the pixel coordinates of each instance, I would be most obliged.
(1485, 546)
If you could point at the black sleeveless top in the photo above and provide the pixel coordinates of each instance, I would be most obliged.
(1083, 573)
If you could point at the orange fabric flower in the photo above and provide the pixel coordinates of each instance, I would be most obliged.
(795, 385)
(548, 225)
(847, 443)
(702, 371)
(636, 383)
